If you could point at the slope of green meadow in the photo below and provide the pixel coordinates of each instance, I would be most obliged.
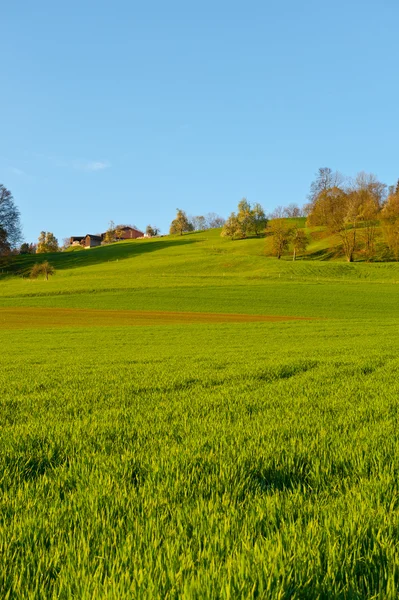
(201, 460)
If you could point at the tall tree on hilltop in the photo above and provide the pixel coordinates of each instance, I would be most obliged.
(232, 227)
(180, 223)
(326, 179)
(10, 227)
(214, 221)
(47, 242)
(248, 220)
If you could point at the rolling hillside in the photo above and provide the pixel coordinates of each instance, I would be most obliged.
(188, 417)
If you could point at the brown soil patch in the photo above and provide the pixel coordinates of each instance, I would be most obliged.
(41, 318)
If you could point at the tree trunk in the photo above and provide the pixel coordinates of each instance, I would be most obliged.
(294, 255)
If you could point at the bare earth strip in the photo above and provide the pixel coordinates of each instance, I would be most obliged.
(29, 317)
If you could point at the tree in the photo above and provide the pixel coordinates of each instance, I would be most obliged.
(245, 216)
(259, 219)
(339, 211)
(199, 223)
(370, 194)
(5, 247)
(299, 241)
(152, 230)
(214, 221)
(248, 220)
(181, 223)
(43, 268)
(292, 211)
(119, 232)
(47, 242)
(28, 248)
(281, 236)
(232, 227)
(278, 213)
(326, 179)
(390, 224)
(10, 227)
(110, 234)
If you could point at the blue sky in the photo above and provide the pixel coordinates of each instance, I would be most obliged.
(126, 110)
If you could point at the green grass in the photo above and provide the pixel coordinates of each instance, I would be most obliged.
(255, 460)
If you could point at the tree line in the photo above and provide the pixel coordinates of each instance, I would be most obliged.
(350, 208)
(183, 223)
(353, 209)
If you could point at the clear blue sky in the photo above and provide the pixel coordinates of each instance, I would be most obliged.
(126, 110)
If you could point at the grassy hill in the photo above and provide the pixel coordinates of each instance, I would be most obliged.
(160, 440)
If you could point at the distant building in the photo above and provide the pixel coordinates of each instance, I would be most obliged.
(129, 233)
(91, 241)
(76, 240)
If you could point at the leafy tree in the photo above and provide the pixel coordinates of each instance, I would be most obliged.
(390, 224)
(299, 241)
(47, 243)
(10, 227)
(281, 236)
(152, 230)
(181, 223)
(259, 219)
(44, 268)
(110, 234)
(370, 194)
(232, 227)
(340, 211)
(248, 220)
(119, 232)
(5, 247)
(28, 248)
(245, 216)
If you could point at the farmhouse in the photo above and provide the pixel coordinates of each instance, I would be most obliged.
(129, 233)
(91, 241)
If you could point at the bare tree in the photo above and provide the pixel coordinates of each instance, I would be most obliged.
(199, 223)
(325, 179)
(214, 221)
(292, 211)
(278, 213)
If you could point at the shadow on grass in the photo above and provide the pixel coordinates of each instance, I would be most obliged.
(21, 265)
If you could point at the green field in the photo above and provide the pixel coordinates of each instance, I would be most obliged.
(208, 458)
